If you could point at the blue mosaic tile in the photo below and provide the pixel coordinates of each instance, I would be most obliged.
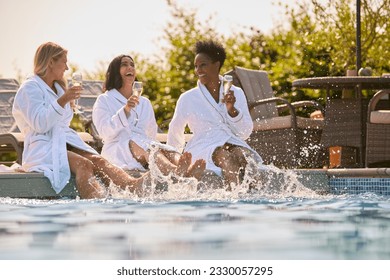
(380, 186)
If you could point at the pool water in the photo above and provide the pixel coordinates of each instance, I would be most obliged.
(285, 223)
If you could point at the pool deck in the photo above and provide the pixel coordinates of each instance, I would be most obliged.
(334, 181)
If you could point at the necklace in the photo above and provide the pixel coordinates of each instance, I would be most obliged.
(214, 91)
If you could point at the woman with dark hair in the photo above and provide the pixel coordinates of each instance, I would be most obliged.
(127, 124)
(43, 114)
(220, 122)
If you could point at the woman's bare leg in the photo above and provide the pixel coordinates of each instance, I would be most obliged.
(196, 170)
(117, 175)
(172, 156)
(86, 183)
(142, 156)
(231, 160)
(170, 162)
(139, 154)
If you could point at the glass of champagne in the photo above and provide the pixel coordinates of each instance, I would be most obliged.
(228, 81)
(77, 80)
(137, 88)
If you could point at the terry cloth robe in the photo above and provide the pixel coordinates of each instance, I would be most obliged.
(45, 125)
(117, 130)
(210, 124)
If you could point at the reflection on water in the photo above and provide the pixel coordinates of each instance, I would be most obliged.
(279, 219)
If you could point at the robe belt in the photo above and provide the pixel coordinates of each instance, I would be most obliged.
(61, 170)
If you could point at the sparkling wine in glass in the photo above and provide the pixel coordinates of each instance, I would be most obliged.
(228, 81)
(137, 88)
(77, 80)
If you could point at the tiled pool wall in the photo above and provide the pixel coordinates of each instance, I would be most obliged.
(347, 181)
(380, 186)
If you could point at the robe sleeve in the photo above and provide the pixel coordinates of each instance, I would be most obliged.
(242, 124)
(108, 125)
(31, 105)
(147, 120)
(177, 126)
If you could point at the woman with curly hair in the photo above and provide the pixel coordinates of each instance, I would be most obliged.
(220, 122)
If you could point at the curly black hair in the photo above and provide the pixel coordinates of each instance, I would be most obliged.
(212, 49)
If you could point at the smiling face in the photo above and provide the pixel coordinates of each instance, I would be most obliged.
(127, 70)
(206, 70)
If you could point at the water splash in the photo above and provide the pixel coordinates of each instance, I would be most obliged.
(258, 181)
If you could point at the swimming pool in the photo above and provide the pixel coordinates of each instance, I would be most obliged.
(291, 222)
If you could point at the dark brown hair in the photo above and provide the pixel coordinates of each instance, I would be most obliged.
(113, 77)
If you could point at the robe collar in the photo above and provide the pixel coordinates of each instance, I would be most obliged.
(117, 95)
(203, 89)
(46, 87)
(220, 107)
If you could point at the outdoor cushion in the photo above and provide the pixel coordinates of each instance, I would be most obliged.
(380, 116)
(286, 122)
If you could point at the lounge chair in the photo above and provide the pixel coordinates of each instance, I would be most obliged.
(9, 84)
(279, 135)
(8, 88)
(378, 130)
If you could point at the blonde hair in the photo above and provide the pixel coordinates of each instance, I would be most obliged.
(43, 56)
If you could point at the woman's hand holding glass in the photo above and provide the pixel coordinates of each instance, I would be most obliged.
(77, 81)
(137, 88)
(229, 99)
(131, 103)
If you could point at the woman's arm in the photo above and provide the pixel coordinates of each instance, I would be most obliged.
(108, 123)
(241, 124)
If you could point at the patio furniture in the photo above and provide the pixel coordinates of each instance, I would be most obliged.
(8, 88)
(285, 140)
(344, 128)
(7, 122)
(345, 119)
(9, 84)
(378, 130)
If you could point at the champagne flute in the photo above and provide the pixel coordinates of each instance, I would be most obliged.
(77, 80)
(228, 81)
(137, 88)
(137, 91)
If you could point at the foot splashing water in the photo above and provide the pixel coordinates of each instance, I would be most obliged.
(258, 181)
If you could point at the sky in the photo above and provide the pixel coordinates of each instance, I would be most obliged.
(93, 30)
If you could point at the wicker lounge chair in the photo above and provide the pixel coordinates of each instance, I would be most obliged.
(286, 141)
(378, 130)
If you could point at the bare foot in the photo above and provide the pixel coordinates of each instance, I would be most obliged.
(183, 164)
(197, 169)
(140, 184)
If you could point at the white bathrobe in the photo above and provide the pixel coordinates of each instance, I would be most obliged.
(45, 125)
(117, 130)
(210, 124)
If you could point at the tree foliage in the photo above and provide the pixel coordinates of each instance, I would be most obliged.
(319, 39)
(324, 39)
